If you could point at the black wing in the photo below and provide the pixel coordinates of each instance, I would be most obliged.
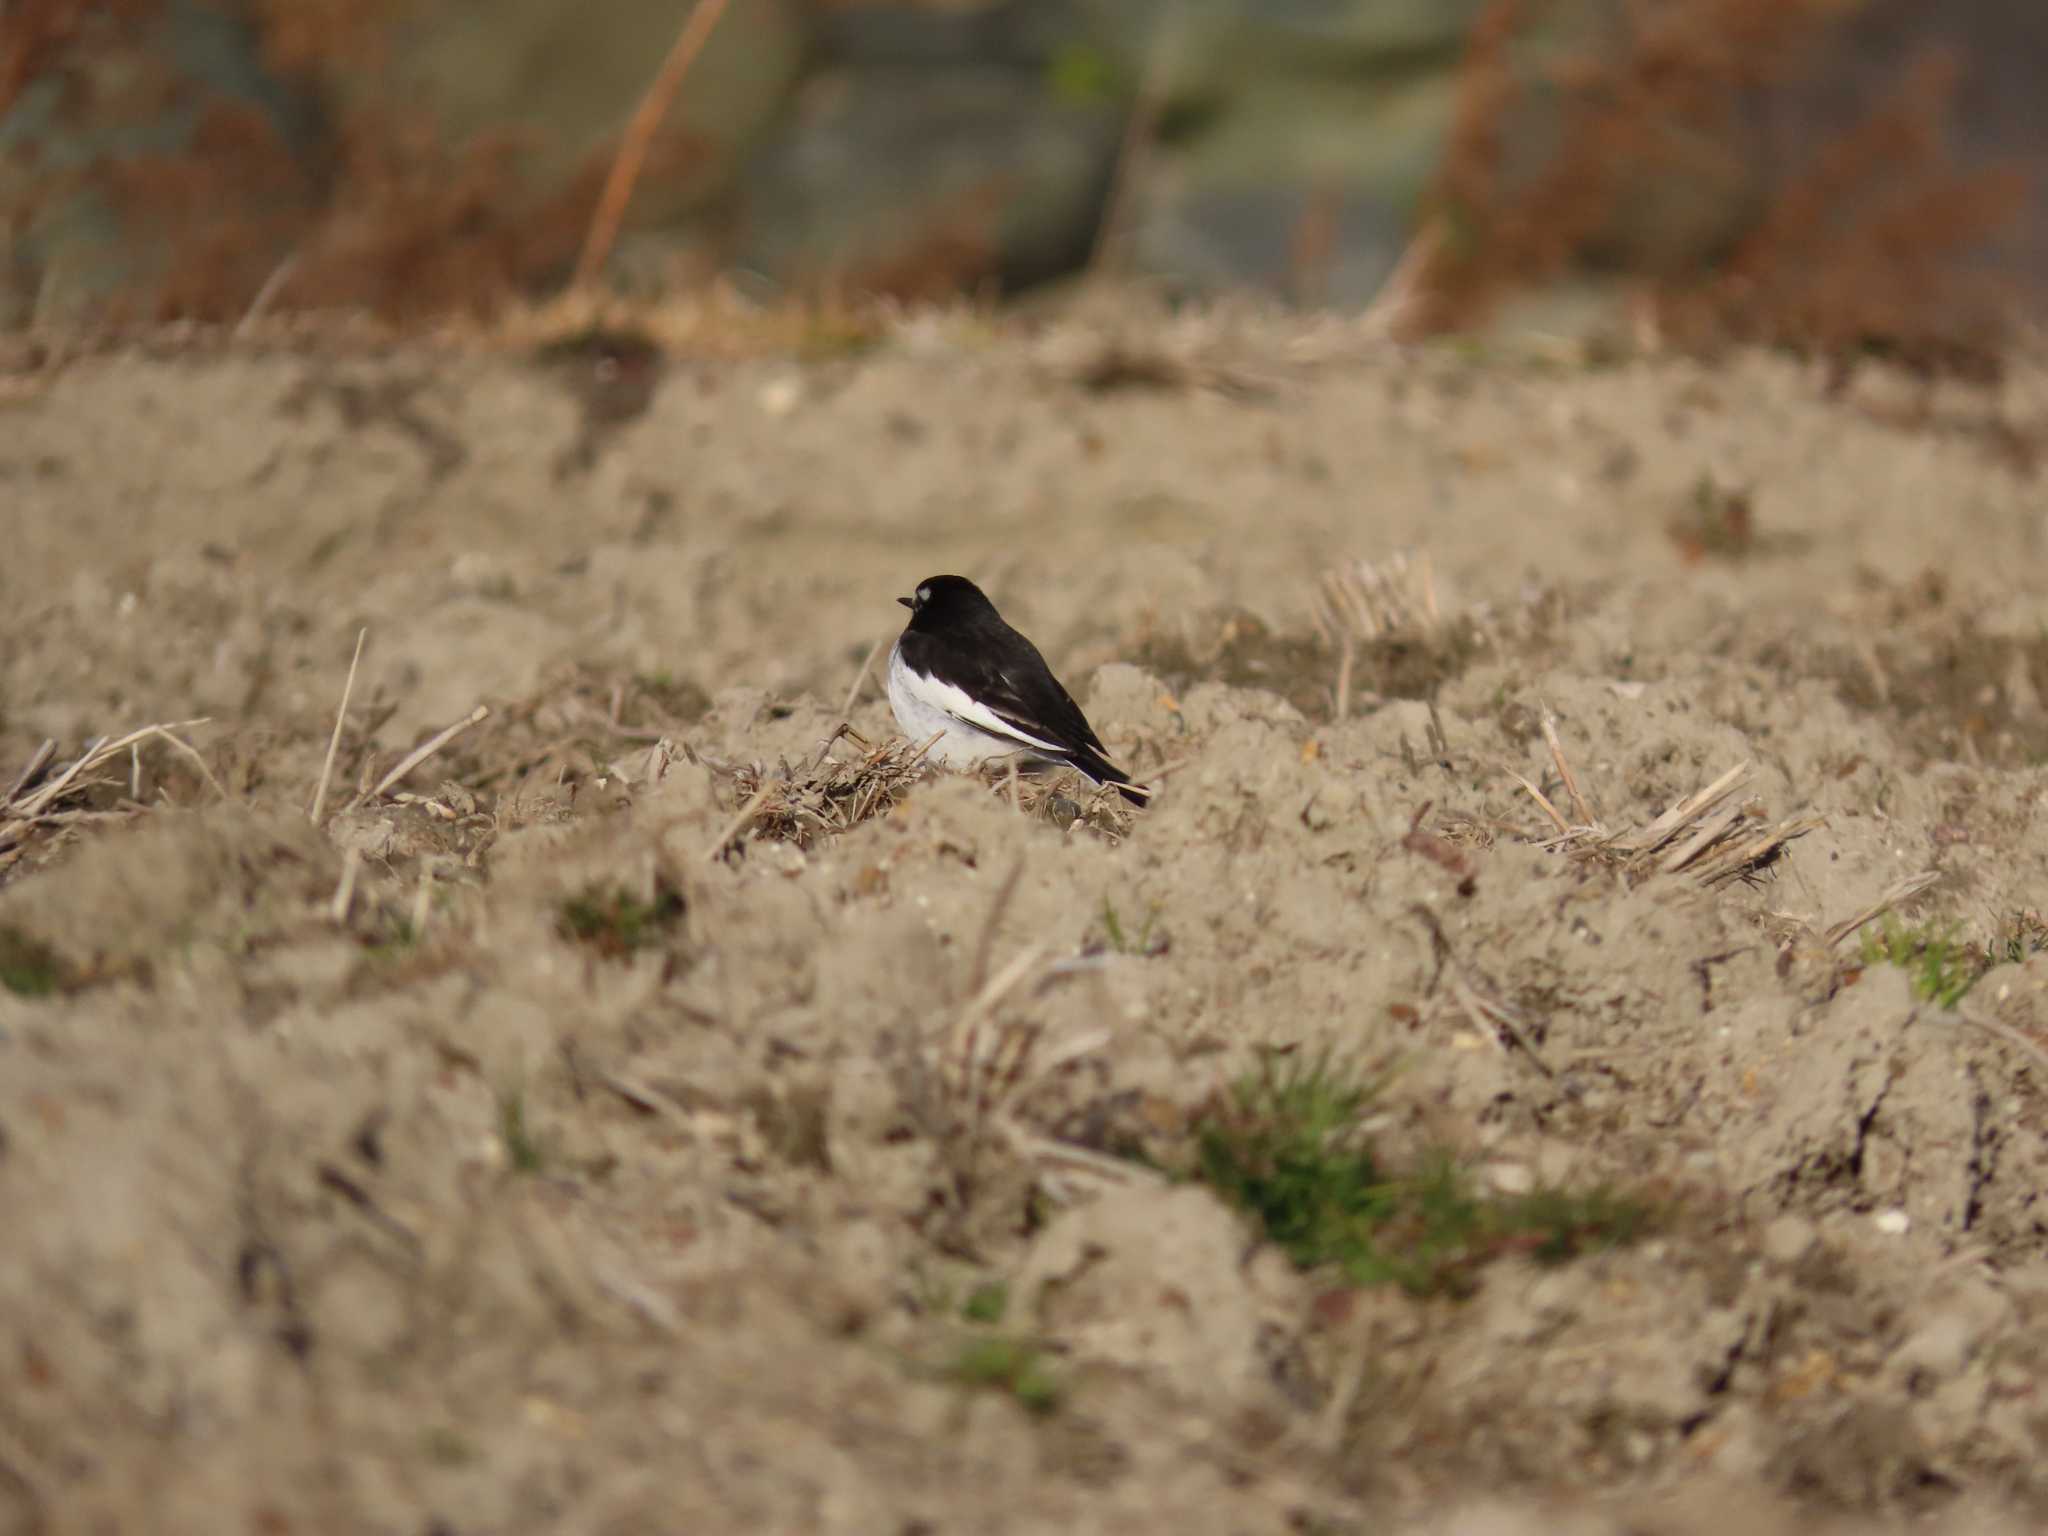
(1004, 673)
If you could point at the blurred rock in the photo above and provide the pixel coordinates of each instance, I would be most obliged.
(137, 96)
(918, 182)
(1304, 187)
(1016, 34)
(1215, 48)
(436, 153)
(1153, 1280)
(562, 81)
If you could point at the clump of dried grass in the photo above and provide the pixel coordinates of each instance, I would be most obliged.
(1865, 246)
(1367, 600)
(833, 794)
(973, 1081)
(47, 797)
(1067, 800)
(1710, 834)
(1389, 614)
(827, 796)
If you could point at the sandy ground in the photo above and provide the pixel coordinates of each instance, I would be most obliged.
(346, 1187)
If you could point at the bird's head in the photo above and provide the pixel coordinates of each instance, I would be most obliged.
(943, 599)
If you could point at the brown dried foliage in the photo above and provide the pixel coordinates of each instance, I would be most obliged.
(955, 252)
(1865, 251)
(299, 37)
(38, 34)
(237, 162)
(417, 230)
(391, 219)
(1677, 70)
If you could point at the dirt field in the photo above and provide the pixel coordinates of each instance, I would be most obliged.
(542, 1143)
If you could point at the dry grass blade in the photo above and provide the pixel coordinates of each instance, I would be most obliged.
(186, 750)
(334, 741)
(1564, 828)
(861, 677)
(1684, 813)
(25, 809)
(1893, 895)
(984, 948)
(737, 825)
(1700, 834)
(1739, 858)
(829, 795)
(345, 889)
(428, 748)
(1379, 600)
(273, 285)
(1483, 1008)
(639, 138)
(1392, 311)
(1067, 800)
(2005, 1032)
(1580, 807)
(38, 761)
(1068, 1169)
(1141, 128)
(987, 1068)
(1711, 831)
(998, 987)
(1481, 1003)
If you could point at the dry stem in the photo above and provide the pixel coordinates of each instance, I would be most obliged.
(1704, 835)
(639, 137)
(853, 693)
(429, 747)
(26, 808)
(334, 741)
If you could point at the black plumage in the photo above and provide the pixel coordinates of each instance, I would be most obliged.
(956, 639)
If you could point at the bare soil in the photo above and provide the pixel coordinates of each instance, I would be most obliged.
(542, 1143)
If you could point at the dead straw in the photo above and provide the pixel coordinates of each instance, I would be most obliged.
(639, 137)
(984, 947)
(1564, 771)
(2005, 1032)
(345, 891)
(30, 804)
(37, 762)
(187, 750)
(1704, 834)
(1894, 894)
(1134, 151)
(1481, 1002)
(1370, 600)
(429, 747)
(738, 824)
(826, 795)
(334, 741)
(867, 666)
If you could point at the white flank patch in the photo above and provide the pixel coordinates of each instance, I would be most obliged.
(974, 733)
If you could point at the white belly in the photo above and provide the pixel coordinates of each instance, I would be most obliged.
(920, 717)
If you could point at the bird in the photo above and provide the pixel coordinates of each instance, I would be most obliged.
(959, 672)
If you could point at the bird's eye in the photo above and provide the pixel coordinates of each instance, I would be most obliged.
(924, 595)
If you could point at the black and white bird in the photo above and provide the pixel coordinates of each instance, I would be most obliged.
(960, 673)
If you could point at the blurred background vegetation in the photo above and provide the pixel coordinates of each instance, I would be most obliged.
(1849, 177)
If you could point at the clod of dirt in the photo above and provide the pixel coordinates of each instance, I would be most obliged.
(1240, 650)
(1156, 1283)
(1956, 692)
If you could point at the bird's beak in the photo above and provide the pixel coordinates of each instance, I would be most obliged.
(906, 602)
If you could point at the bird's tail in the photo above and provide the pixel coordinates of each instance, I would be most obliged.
(1103, 771)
